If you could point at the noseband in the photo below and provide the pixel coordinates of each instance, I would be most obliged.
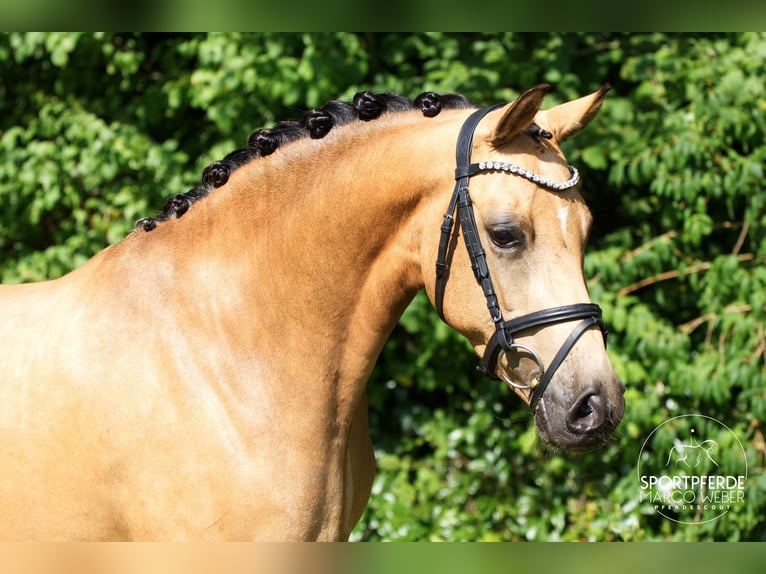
(502, 342)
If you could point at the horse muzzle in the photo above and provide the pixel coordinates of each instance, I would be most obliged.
(584, 422)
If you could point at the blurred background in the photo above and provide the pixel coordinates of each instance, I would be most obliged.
(98, 129)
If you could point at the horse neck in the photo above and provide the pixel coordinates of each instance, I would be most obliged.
(320, 243)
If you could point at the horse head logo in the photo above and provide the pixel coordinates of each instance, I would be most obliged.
(692, 454)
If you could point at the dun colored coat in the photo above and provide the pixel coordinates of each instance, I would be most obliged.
(205, 378)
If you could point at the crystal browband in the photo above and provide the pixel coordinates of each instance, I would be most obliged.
(533, 177)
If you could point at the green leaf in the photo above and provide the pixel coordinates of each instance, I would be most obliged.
(595, 157)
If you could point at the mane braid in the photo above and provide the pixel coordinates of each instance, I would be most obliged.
(314, 124)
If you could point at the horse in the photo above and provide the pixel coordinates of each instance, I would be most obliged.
(691, 455)
(205, 377)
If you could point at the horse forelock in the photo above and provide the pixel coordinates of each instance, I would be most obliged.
(314, 124)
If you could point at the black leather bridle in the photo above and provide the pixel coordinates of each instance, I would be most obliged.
(502, 341)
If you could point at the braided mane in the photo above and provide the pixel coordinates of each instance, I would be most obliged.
(315, 124)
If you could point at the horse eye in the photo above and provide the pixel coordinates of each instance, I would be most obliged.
(507, 237)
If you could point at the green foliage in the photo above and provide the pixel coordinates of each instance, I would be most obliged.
(96, 130)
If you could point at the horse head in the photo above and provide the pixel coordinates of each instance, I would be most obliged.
(523, 229)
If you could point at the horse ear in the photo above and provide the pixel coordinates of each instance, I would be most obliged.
(519, 115)
(569, 119)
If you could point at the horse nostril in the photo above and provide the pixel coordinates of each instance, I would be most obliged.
(584, 409)
(588, 413)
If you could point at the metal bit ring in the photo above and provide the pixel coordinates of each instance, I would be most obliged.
(506, 375)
